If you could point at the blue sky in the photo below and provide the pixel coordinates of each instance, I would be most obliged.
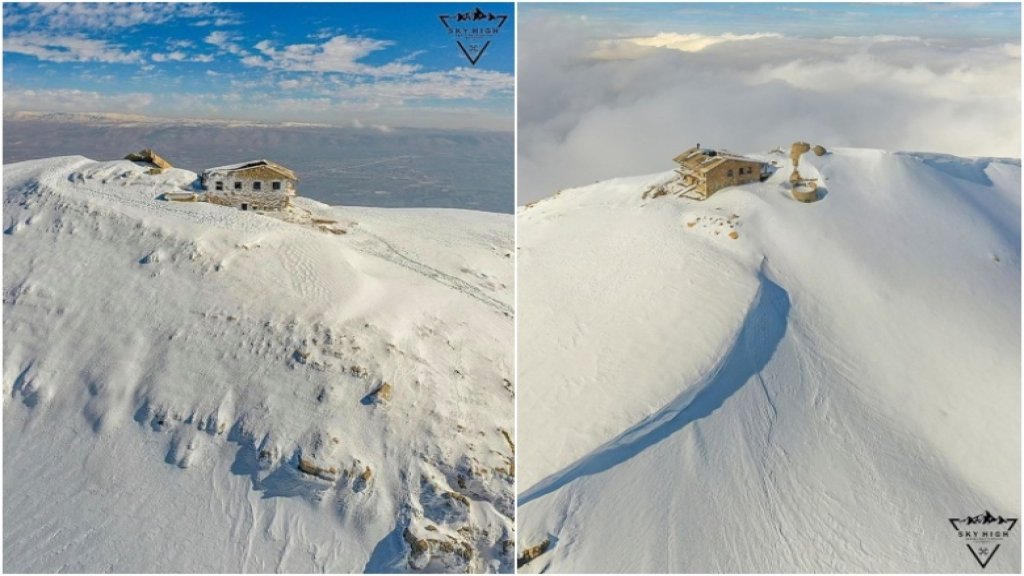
(364, 64)
(999, 21)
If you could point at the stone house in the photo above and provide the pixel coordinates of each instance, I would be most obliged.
(708, 171)
(255, 185)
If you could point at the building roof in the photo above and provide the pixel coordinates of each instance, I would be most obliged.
(704, 160)
(254, 164)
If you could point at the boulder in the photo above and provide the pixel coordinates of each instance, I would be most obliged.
(147, 156)
(796, 150)
(532, 553)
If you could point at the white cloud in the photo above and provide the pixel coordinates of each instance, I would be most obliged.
(694, 42)
(64, 100)
(455, 84)
(176, 56)
(339, 54)
(179, 56)
(246, 105)
(359, 124)
(592, 107)
(225, 41)
(68, 49)
(79, 16)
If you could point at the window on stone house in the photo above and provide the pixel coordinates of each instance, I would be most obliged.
(276, 186)
(729, 173)
(218, 185)
(257, 185)
(238, 185)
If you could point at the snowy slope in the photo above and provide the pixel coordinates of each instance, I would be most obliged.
(820, 393)
(168, 367)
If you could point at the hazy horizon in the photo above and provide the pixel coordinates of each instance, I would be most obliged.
(355, 166)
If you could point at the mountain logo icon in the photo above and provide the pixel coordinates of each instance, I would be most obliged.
(473, 31)
(983, 534)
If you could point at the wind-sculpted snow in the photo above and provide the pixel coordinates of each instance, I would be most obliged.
(834, 405)
(761, 333)
(186, 384)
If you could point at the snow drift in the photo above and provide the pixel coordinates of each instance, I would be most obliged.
(193, 388)
(752, 384)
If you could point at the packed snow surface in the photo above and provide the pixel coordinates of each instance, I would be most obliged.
(751, 384)
(194, 388)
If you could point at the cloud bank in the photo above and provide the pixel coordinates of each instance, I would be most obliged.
(593, 107)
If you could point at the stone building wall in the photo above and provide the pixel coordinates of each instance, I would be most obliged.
(731, 173)
(252, 189)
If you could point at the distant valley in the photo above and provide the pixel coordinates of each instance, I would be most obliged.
(354, 166)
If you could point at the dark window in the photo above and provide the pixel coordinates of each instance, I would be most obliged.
(257, 185)
(218, 185)
(276, 185)
(729, 173)
(238, 185)
(245, 206)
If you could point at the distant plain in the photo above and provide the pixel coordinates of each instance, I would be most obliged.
(356, 166)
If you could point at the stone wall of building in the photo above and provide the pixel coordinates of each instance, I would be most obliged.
(732, 173)
(252, 188)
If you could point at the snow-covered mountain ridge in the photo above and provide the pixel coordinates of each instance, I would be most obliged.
(189, 387)
(754, 384)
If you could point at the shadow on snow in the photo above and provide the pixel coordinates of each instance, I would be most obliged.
(762, 330)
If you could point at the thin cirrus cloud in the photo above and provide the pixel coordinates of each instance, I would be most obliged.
(594, 105)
